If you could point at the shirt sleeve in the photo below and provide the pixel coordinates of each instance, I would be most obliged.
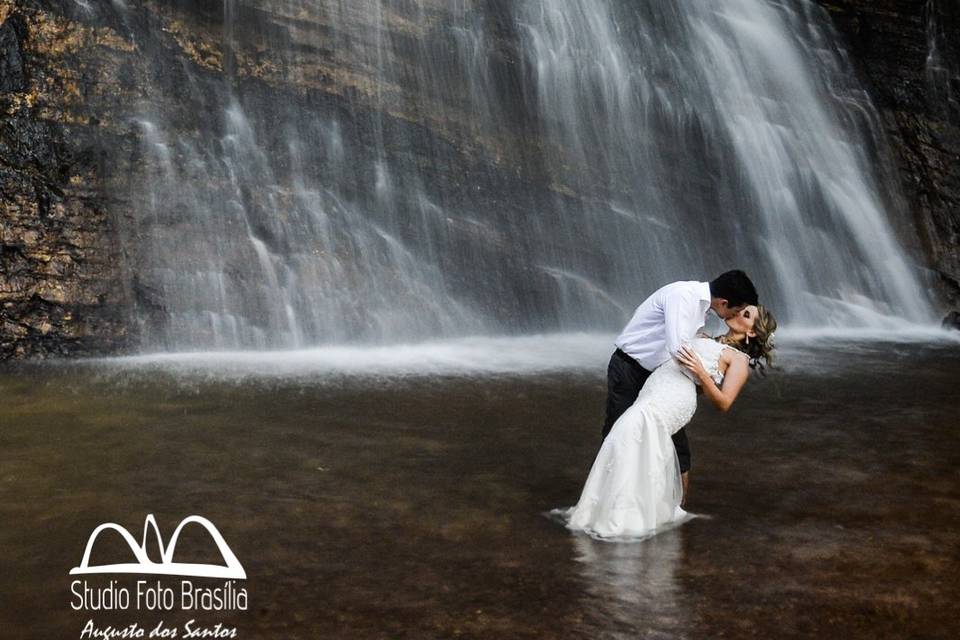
(680, 313)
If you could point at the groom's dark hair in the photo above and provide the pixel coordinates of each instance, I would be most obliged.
(734, 287)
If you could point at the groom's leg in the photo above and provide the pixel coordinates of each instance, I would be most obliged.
(625, 378)
(682, 445)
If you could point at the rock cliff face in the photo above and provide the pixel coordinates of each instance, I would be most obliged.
(59, 255)
(908, 52)
(71, 71)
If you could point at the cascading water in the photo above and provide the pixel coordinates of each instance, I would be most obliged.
(381, 170)
(713, 128)
(259, 243)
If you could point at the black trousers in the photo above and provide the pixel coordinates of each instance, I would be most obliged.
(625, 378)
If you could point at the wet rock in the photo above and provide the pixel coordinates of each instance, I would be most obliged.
(61, 290)
(952, 321)
(12, 72)
(908, 54)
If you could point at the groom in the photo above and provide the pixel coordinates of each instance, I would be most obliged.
(660, 325)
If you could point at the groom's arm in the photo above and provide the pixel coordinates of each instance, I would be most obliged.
(680, 313)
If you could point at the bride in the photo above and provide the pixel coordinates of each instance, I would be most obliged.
(634, 485)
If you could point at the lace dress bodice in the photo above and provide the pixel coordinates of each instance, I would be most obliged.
(709, 351)
(671, 389)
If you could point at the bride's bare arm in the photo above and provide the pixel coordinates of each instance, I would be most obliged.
(733, 380)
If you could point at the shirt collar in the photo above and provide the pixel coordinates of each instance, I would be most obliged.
(704, 290)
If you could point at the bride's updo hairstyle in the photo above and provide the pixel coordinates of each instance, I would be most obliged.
(760, 347)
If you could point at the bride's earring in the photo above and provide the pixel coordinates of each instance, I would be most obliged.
(748, 339)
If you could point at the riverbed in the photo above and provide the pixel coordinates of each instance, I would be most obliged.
(401, 494)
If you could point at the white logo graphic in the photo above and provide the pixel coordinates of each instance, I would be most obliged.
(232, 568)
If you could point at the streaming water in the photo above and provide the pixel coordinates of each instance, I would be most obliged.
(772, 135)
(404, 171)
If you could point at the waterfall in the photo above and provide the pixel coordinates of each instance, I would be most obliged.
(268, 231)
(737, 126)
(386, 170)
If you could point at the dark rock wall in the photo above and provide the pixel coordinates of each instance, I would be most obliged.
(60, 278)
(908, 53)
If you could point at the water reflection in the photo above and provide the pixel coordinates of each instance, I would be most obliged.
(635, 582)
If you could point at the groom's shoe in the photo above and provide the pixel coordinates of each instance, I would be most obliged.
(685, 483)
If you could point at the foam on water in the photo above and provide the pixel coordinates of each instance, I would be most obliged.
(473, 356)
(463, 356)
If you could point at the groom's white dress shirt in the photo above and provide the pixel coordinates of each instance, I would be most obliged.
(664, 321)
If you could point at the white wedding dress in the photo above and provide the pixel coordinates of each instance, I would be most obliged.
(634, 489)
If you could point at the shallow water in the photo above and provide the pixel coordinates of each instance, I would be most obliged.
(411, 506)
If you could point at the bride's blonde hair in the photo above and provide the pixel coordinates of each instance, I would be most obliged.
(759, 348)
